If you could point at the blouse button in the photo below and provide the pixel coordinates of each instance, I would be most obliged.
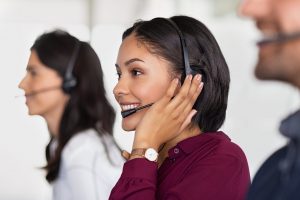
(176, 150)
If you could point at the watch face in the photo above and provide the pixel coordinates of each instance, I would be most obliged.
(151, 154)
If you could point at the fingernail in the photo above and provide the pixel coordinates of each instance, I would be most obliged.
(201, 85)
(194, 112)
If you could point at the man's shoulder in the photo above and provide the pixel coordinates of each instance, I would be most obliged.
(268, 178)
(272, 162)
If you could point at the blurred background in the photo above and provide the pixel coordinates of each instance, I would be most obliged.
(254, 111)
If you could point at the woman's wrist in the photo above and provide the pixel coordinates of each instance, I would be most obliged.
(149, 153)
(144, 144)
(131, 157)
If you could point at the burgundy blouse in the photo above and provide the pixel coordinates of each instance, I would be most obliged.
(205, 167)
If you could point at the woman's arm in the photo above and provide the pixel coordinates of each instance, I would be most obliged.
(218, 176)
(163, 121)
(137, 182)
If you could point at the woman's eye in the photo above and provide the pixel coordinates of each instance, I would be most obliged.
(32, 73)
(136, 72)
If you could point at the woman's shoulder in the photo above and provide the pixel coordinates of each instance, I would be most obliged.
(225, 146)
(217, 144)
(87, 147)
(231, 148)
(217, 149)
(87, 139)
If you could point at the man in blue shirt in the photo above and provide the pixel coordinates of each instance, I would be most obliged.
(279, 59)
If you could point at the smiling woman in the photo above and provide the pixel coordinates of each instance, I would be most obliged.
(136, 68)
(178, 152)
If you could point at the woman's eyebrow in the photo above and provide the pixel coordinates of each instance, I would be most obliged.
(128, 62)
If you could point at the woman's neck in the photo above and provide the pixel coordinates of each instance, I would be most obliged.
(53, 120)
(53, 125)
(186, 133)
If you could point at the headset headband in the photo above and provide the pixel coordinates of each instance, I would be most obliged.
(187, 67)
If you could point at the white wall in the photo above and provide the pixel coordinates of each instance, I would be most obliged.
(255, 108)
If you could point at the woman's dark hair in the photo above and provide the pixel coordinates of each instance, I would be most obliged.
(88, 106)
(205, 57)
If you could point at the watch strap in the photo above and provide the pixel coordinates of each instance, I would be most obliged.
(140, 152)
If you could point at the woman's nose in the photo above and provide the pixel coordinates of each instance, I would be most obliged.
(22, 84)
(121, 88)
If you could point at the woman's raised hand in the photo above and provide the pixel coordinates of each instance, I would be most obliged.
(170, 115)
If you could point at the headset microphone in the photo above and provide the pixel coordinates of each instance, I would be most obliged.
(128, 112)
(40, 91)
(279, 38)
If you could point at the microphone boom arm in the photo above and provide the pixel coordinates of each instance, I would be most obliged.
(128, 112)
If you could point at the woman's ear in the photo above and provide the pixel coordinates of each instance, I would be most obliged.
(177, 88)
(178, 76)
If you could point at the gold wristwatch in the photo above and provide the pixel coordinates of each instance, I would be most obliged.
(149, 153)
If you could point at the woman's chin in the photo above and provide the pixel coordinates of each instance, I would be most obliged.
(128, 125)
(131, 122)
(127, 128)
(31, 112)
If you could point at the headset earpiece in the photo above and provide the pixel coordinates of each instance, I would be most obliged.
(68, 85)
(69, 81)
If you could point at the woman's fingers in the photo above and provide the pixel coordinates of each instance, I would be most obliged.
(186, 106)
(169, 94)
(187, 96)
(188, 120)
(184, 96)
(125, 154)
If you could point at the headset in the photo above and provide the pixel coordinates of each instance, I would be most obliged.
(187, 68)
(280, 38)
(69, 81)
